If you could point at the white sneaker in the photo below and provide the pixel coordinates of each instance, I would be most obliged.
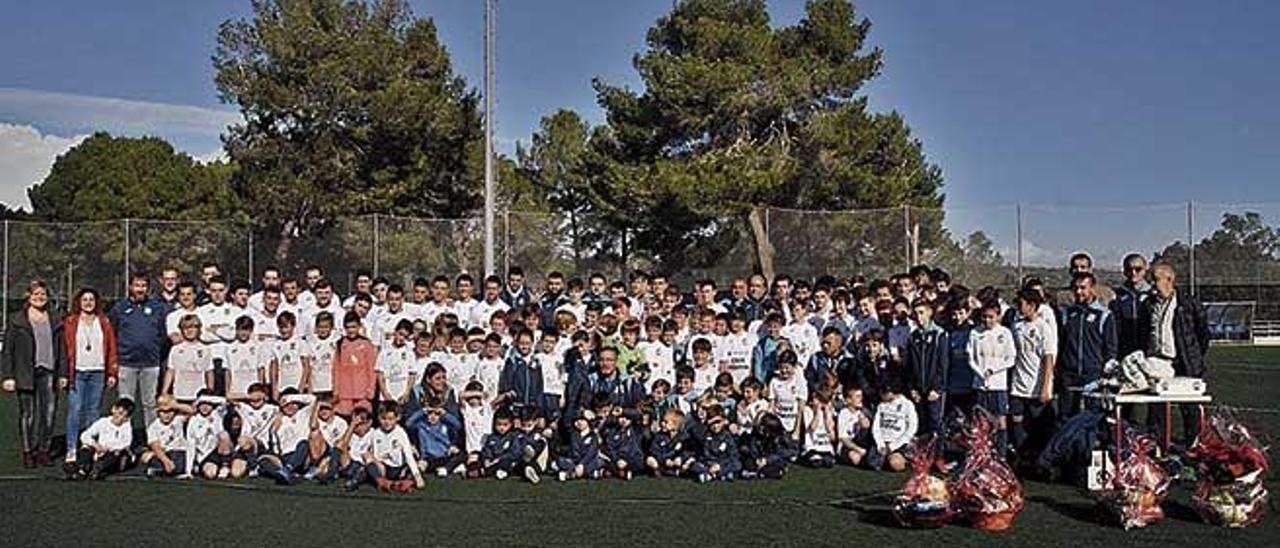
(423, 466)
(563, 476)
(626, 475)
(500, 474)
(441, 472)
(703, 478)
(224, 473)
(460, 470)
(531, 474)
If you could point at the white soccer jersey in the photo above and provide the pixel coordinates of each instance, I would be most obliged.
(396, 365)
(307, 318)
(710, 337)
(172, 320)
(189, 361)
(554, 377)
(750, 412)
(322, 352)
(288, 356)
(431, 310)
(465, 309)
(488, 371)
(293, 430)
(202, 435)
(704, 377)
(661, 360)
(895, 423)
(218, 322)
(788, 395)
(804, 340)
(735, 351)
(359, 445)
(817, 435)
(332, 429)
(485, 310)
(383, 324)
(1034, 340)
(109, 435)
(992, 352)
(245, 362)
(579, 311)
(171, 436)
(459, 369)
(256, 423)
(849, 423)
(265, 327)
(477, 421)
(392, 449)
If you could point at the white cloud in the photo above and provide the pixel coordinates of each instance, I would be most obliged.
(26, 155)
(89, 113)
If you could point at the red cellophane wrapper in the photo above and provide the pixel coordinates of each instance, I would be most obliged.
(1232, 464)
(987, 491)
(1139, 486)
(925, 501)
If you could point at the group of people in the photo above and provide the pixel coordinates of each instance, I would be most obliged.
(580, 379)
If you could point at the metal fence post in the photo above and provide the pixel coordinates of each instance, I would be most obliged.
(126, 256)
(906, 235)
(6, 274)
(1191, 245)
(1018, 209)
(506, 240)
(376, 244)
(249, 275)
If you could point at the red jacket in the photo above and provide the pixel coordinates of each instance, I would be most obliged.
(69, 331)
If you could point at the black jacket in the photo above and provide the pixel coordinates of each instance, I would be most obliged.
(1190, 334)
(18, 360)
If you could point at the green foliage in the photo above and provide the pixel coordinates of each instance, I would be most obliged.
(107, 177)
(736, 114)
(1243, 249)
(350, 108)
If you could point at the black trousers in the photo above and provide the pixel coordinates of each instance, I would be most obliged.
(36, 409)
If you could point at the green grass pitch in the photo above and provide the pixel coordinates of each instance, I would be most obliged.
(841, 506)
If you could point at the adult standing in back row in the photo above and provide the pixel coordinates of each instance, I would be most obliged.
(1180, 335)
(32, 365)
(139, 323)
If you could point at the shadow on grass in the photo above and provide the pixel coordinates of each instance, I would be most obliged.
(1086, 512)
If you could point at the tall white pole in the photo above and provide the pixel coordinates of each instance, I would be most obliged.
(488, 137)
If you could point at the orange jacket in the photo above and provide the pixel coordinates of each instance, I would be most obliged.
(69, 331)
(353, 369)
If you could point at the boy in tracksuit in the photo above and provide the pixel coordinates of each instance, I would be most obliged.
(520, 385)
(582, 460)
(534, 450)
(501, 450)
(1088, 342)
(928, 354)
(667, 454)
(437, 439)
(768, 449)
(718, 458)
(621, 441)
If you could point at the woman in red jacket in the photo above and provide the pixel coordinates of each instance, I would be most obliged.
(90, 345)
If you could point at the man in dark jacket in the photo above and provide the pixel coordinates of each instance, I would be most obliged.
(1087, 343)
(1180, 334)
(140, 341)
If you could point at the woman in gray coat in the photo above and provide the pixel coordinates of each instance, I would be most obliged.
(33, 365)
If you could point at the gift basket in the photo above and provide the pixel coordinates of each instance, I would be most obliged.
(1138, 486)
(925, 501)
(1231, 464)
(987, 492)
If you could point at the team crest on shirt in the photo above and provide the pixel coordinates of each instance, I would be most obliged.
(1090, 317)
(146, 310)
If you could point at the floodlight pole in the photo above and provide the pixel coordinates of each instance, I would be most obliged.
(488, 137)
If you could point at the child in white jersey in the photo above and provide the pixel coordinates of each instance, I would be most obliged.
(801, 333)
(190, 363)
(255, 415)
(104, 447)
(390, 462)
(818, 421)
(477, 422)
(209, 446)
(354, 444)
(489, 367)
(853, 426)
(554, 376)
(290, 363)
(752, 405)
(330, 427)
(166, 453)
(735, 348)
(704, 371)
(395, 367)
(787, 392)
(321, 345)
(245, 359)
(659, 350)
(291, 448)
(992, 353)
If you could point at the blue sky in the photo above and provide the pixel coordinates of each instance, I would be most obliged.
(1062, 106)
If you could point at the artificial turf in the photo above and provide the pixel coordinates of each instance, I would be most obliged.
(841, 506)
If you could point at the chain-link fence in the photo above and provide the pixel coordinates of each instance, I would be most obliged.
(1236, 256)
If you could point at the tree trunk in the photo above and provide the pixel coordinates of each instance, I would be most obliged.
(760, 236)
(285, 243)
